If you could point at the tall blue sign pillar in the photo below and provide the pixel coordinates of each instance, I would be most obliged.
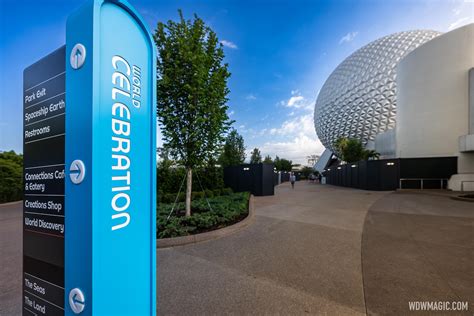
(110, 162)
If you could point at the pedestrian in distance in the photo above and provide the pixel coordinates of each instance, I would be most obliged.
(292, 180)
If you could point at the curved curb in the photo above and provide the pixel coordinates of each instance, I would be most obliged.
(460, 198)
(11, 203)
(191, 239)
(453, 195)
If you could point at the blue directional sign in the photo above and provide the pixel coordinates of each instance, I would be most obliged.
(44, 211)
(110, 161)
(89, 231)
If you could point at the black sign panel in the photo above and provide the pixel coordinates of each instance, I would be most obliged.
(44, 110)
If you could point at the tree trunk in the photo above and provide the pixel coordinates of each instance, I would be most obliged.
(189, 184)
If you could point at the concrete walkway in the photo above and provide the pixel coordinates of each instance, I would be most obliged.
(11, 263)
(302, 255)
(418, 247)
(314, 250)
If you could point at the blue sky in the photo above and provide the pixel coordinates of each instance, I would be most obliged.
(279, 53)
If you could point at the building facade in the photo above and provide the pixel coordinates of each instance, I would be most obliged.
(358, 100)
(429, 113)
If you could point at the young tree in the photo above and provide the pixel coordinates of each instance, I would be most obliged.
(351, 150)
(340, 145)
(306, 171)
(370, 155)
(277, 163)
(268, 159)
(282, 164)
(234, 150)
(11, 176)
(255, 157)
(192, 93)
(163, 154)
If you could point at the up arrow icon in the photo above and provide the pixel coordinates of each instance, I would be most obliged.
(78, 56)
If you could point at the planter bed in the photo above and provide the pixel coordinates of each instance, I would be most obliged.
(224, 210)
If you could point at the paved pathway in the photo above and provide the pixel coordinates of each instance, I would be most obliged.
(301, 255)
(418, 248)
(314, 250)
(11, 251)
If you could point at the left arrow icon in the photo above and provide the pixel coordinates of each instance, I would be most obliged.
(77, 301)
(77, 171)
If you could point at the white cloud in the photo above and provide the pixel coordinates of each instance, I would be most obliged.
(250, 97)
(229, 44)
(458, 23)
(294, 139)
(303, 123)
(295, 100)
(295, 149)
(349, 37)
(231, 113)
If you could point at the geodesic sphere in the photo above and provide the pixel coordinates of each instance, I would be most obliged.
(358, 100)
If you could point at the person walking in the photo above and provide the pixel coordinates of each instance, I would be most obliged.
(292, 180)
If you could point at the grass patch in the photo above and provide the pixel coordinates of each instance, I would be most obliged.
(226, 210)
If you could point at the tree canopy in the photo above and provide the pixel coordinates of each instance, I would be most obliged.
(268, 159)
(11, 176)
(191, 90)
(256, 156)
(233, 152)
(306, 171)
(282, 164)
(351, 150)
(191, 93)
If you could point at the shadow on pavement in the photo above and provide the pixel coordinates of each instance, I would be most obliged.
(417, 248)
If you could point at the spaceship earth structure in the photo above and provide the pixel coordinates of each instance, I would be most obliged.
(358, 100)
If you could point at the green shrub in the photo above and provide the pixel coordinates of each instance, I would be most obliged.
(167, 198)
(169, 177)
(225, 210)
(197, 195)
(171, 197)
(227, 191)
(159, 196)
(173, 228)
(11, 176)
(209, 193)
